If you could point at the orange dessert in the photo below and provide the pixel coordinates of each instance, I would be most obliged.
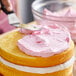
(15, 62)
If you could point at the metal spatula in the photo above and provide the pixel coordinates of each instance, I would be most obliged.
(13, 19)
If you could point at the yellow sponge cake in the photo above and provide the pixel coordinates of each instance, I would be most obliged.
(14, 62)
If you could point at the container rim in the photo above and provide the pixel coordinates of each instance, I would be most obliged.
(41, 14)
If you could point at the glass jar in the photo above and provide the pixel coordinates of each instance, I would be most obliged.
(58, 15)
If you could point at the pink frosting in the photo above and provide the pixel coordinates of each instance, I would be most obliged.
(68, 12)
(48, 41)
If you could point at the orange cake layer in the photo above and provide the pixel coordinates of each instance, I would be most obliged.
(10, 52)
(7, 71)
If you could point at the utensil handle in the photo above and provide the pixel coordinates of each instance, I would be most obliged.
(4, 9)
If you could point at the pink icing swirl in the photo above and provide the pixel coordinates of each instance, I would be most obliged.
(48, 41)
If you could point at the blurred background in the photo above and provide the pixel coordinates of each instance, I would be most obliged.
(23, 10)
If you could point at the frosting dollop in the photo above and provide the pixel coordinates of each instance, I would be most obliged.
(47, 41)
